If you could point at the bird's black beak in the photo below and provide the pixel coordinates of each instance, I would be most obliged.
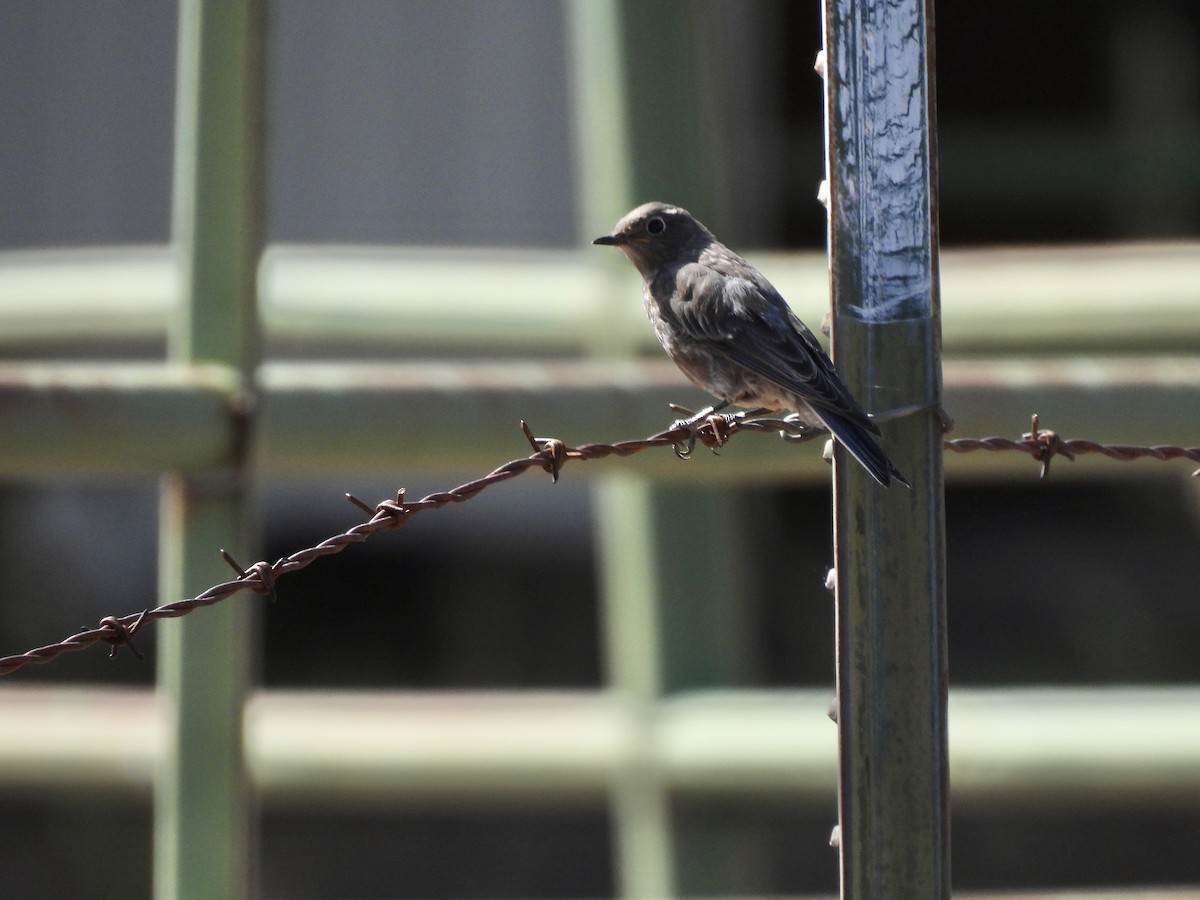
(608, 240)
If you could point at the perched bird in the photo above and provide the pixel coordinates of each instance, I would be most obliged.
(732, 334)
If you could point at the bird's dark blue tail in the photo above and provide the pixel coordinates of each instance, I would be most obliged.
(864, 447)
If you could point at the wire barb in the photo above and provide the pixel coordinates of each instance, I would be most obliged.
(1049, 444)
(260, 577)
(551, 450)
(369, 510)
(393, 513)
(118, 634)
(232, 563)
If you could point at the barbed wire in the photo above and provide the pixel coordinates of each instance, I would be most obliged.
(550, 455)
(1043, 445)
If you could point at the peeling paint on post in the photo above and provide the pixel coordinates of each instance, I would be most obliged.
(889, 544)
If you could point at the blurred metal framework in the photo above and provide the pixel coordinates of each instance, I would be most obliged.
(658, 727)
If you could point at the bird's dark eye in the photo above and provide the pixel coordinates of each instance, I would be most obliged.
(656, 225)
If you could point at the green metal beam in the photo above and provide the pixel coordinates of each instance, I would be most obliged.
(454, 418)
(1114, 297)
(205, 834)
(115, 418)
(1080, 748)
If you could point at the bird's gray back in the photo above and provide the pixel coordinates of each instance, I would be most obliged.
(732, 332)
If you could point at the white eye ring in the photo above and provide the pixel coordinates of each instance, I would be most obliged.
(656, 225)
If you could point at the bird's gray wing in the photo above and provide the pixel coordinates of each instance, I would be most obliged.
(744, 319)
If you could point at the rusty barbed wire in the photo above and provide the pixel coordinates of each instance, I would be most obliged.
(1043, 445)
(550, 455)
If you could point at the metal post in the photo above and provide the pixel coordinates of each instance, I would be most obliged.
(204, 831)
(891, 668)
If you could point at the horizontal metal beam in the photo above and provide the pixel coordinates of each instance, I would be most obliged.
(99, 294)
(396, 419)
(113, 419)
(1076, 747)
(1124, 297)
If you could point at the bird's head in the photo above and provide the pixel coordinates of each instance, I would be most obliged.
(657, 234)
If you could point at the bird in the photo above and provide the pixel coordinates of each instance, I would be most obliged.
(732, 334)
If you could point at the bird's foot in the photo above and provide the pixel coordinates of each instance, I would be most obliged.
(709, 425)
(683, 449)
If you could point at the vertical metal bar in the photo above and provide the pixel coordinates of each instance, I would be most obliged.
(640, 817)
(891, 667)
(204, 830)
(696, 591)
(604, 185)
(630, 582)
(667, 594)
(629, 578)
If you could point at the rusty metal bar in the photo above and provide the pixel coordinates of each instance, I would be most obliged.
(129, 418)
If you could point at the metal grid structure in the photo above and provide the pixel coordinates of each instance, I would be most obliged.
(632, 743)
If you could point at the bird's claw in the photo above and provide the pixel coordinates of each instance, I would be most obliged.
(802, 431)
(684, 449)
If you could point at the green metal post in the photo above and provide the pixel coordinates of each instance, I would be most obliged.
(664, 553)
(891, 668)
(643, 852)
(204, 829)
